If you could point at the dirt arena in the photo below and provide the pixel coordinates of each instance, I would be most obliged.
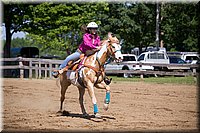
(32, 105)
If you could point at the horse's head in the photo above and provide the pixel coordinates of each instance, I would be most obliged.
(114, 48)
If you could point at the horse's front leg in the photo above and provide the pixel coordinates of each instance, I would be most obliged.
(103, 85)
(90, 87)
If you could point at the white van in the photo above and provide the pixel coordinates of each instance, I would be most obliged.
(154, 57)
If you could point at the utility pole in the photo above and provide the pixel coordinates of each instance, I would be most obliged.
(157, 24)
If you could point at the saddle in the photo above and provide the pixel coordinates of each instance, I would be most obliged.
(73, 65)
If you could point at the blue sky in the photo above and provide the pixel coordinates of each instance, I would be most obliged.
(15, 35)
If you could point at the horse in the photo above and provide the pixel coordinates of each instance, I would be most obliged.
(90, 74)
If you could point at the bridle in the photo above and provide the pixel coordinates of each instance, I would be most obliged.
(101, 65)
(111, 50)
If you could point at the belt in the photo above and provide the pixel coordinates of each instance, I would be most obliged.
(78, 50)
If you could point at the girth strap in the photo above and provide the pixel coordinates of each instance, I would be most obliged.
(98, 72)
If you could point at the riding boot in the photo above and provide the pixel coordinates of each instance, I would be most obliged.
(56, 73)
(107, 80)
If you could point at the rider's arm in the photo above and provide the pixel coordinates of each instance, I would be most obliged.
(88, 42)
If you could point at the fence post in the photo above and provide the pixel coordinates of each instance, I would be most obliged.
(194, 71)
(45, 72)
(50, 69)
(40, 71)
(36, 71)
(21, 68)
(141, 75)
(56, 66)
(30, 70)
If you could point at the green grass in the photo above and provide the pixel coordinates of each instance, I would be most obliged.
(160, 80)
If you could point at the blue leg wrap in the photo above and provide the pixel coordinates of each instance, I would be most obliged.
(95, 108)
(107, 97)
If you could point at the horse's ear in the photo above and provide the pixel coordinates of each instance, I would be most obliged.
(109, 34)
(112, 37)
(114, 40)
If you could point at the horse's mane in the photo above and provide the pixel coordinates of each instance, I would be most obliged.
(112, 39)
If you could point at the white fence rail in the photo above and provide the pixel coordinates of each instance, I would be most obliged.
(42, 68)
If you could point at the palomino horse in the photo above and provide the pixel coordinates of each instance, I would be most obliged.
(91, 74)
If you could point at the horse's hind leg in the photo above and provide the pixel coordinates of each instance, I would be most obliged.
(81, 94)
(64, 86)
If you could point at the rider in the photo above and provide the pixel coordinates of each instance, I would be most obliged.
(91, 41)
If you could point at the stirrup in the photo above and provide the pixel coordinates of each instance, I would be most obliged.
(55, 74)
(107, 80)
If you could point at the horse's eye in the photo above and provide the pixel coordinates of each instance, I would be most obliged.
(113, 46)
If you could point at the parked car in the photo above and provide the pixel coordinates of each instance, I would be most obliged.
(189, 57)
(25, 52)
(177, 60)
(125, 65)
(198, 63)
(49, 57)
(153, 57)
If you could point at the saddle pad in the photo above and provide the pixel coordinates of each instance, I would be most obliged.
(71, 75)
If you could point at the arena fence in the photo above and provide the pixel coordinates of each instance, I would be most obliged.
(41, 68)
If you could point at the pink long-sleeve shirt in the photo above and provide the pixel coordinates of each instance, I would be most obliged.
(89, 43)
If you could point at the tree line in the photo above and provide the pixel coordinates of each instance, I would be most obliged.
(56, 27)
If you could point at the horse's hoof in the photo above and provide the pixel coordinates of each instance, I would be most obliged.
(97, 115)
(105, 106)
(86, 115)
(65, 113)
(59, 112)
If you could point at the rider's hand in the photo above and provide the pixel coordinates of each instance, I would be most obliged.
(98, 48)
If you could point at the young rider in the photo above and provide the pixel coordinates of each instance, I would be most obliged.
(91, 41)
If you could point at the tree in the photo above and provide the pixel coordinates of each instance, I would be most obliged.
(13, 19)
(179, 25)
(63, 31)
(55, 27)
(132, 22)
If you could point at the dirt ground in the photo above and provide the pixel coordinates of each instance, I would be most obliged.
(32, 105)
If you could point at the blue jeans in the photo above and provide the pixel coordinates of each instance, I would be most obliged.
(75, 56)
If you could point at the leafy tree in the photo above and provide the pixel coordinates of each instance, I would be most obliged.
(179, 25)
(20, 42)
(13, 19)
(132, 22)
(63, 31)
(55, 27)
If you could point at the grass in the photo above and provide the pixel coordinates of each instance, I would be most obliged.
(189, 80)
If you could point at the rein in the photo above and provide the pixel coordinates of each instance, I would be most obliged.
(112, 53)
(99, 71)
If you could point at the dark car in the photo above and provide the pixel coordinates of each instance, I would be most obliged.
(50, 57)
(25, 52)
(176, 60)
